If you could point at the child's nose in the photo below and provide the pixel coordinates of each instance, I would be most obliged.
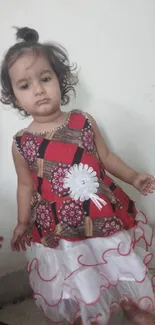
(38, 88)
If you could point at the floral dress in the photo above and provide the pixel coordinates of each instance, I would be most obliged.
(90, 245)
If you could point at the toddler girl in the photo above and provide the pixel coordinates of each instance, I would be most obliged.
(90, 244)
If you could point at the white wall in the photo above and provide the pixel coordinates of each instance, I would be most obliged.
(113, 42)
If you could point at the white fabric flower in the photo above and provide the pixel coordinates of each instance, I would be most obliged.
(83, 184)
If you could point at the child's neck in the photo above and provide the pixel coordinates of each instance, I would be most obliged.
(46, 123)
(48, 119)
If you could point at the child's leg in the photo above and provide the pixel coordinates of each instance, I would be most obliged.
(78, 321)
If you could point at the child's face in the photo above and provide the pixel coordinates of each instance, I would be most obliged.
(35, 85)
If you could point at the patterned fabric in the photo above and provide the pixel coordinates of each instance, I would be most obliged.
(55, 214)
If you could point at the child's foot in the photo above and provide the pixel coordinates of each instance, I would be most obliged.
(136, 315)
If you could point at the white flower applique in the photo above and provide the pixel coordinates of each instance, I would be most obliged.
(83, 184)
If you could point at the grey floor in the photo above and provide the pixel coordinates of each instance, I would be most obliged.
(26, 313)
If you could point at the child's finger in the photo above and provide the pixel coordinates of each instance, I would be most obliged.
(152, 179)
(28, 241)
(147, 190)
(15, 238)
(23, 244)
(152, 184)
(15, 243)
(15, 247)
(143, 193)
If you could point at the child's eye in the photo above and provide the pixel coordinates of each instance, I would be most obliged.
(46, 79)
(25, 86)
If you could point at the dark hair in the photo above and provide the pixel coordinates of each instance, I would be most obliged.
(56, 55)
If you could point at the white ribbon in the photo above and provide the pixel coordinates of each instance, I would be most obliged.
(97, 201)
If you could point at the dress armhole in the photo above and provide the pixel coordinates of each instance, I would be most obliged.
(85, 115)
(16, 141)
(80, 112)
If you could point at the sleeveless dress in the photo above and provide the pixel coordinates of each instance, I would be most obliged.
(90, 245)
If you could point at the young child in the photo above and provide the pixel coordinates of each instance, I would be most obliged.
(90, 245)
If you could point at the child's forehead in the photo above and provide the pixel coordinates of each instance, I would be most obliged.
(30, 63)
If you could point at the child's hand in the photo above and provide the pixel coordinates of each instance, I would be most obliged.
(144, 183)
(20, 238)
(1, 239)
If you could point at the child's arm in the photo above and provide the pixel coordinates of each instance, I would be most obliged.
(24, 186)
(24, 196)
(114, 165)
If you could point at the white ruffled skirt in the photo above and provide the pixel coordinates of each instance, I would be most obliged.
(87, 279)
